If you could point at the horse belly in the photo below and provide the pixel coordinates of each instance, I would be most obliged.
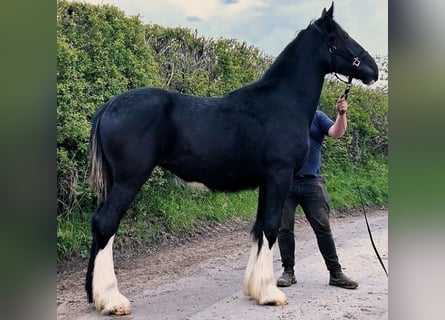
(231, 181)
(221, 156)
(215, 173)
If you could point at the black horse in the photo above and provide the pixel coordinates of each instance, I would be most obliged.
(256, 136)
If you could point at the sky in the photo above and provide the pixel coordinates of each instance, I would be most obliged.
(267, 24)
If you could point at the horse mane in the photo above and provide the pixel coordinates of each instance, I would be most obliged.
(276, 68)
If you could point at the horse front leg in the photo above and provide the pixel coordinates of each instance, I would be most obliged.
(259, 281)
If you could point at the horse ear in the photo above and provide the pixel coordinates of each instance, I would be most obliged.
(330, 12)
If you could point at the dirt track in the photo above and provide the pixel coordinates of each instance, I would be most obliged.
(200, 276)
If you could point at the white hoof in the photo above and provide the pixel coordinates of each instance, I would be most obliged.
(272, 295)
(115, 303)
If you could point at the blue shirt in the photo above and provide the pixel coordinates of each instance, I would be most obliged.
(319, 129)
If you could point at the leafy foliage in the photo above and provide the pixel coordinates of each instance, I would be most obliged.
(201, 66)
(101, 52)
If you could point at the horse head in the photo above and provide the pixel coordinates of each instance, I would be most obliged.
(343, 54)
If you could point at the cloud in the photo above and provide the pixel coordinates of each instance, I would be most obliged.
(229, 1)
(193, 18)
(196, 8)
(267, 24)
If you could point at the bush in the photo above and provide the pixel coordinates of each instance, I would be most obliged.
(100, 53)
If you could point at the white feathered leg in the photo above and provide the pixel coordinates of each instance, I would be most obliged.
(106, 296)
(247, 283)
(259, 282)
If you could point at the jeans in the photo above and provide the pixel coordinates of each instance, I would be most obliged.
(310, 193)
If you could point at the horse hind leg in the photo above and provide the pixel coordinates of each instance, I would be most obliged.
(101, 282)
(106, 296)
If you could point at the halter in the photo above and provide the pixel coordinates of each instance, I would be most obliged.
(356, 61)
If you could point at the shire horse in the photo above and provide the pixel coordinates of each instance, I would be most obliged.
(255, 136)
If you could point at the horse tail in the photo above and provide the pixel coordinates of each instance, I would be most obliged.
(100, 178)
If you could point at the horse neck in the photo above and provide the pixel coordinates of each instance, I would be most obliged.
(299, 71)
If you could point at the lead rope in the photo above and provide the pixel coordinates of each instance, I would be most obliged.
(345, 96)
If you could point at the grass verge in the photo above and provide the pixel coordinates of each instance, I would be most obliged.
(175, 207)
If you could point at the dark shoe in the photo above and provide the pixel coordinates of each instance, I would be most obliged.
(340, 280)
(286, 279)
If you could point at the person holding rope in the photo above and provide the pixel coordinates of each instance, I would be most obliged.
(309, 191)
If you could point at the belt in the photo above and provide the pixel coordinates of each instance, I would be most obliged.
(304, 176)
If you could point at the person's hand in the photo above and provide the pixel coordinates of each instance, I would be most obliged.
(342, 106)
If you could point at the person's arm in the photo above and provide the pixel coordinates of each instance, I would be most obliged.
(338, 129)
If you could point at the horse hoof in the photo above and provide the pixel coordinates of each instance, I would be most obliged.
(274, 303)
(118, 305)
(281, 302)
(272, 297)
(121, 311)
(116, 310)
